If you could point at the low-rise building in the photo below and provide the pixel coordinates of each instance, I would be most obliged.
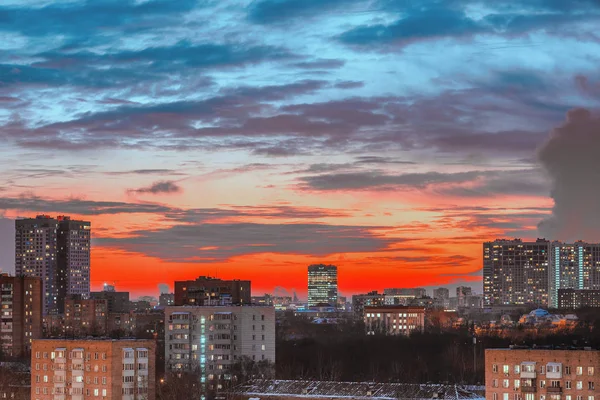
(85, 316)
(82, 369)
(549, 374)
(394, 320)
(572, 299)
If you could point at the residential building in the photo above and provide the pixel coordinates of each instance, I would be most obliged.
(57, 250)
(414, 292)
(85, 316)
(166, 299)
(532, 374)
(210, 339)
(116, 302)
(327, 390)
(441, 294)
(322, 285)
(394, 320)
(516, 272)
(15, 381)
(206, 291)
(573, 299)
(21, 305)
(462, 292)
(77, 369)
(360, 301)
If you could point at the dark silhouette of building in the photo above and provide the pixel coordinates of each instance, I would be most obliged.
(212, 291)
(117, 302)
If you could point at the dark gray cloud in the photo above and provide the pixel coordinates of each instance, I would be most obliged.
(218, 242)
(160, 187)
(570, 157)
(34, 204)
(281, 11)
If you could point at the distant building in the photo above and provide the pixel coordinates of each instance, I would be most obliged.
(213, 338)
(21, 305)
(530, 374)
(532, 273)
(281, 303)
(394, 320)
(322, 285)
(441, 294)
(360, 301)
(573, 299)
(462, 292)
(415, 292)
(57, 250)
(85, 316)
(326, 390)
(166, 299)
(15, 381)
(206, 291)
(116, 302)
(78, 369)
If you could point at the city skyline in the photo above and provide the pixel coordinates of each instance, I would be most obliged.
(251, 140)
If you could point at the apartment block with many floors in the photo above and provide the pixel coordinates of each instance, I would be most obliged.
(20, 313)
(211, 339)
(394, 320)
(93, 369)
(540, 374)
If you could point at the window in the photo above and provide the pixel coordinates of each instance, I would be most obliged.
(590, 397)
(517, 383)
(590, 371)
(96, 392)
(505, 369)
(45, 378)
(495, 369)
(495, 396)
(517, 369)
(529, 368)
(590, 385)
(579, 370)
(579, 385)
(262, 317)
(568, 397)
(104, 380)
(568, 384)
(555, 384)
(542, 384)
(494, 384)
(37, 354)
(505, 383)
(263, 347)
(542, 369)
(567, 370)
(505, 396)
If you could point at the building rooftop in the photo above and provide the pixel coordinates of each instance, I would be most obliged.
(536, 347)
(360, 390)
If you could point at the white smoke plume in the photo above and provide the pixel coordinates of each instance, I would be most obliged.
(571, 157)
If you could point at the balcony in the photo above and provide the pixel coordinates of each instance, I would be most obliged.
(528, 374)
(528, 389)
(551, 389)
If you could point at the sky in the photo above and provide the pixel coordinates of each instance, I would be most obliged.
(249, 139)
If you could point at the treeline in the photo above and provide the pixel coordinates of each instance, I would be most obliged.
(345, 353)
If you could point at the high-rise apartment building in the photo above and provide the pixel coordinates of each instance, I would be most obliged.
(441, 294)
(57, 250)
(394, 320)
(20, 313)
(532, 374)
(205, 291)
(86, 369)
(322, 285)
(516, 272)
(572, 299)
(211, 339)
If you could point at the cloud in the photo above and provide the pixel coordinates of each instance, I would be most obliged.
(160, 187)
(281, 11)
(570, 157)
(185, 243)
(34, 204)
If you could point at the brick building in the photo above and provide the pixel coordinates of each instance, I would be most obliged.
(21, 308)
(85, 316)
(206, 291)
(394, 320)
(541, 374)
(78, 369)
